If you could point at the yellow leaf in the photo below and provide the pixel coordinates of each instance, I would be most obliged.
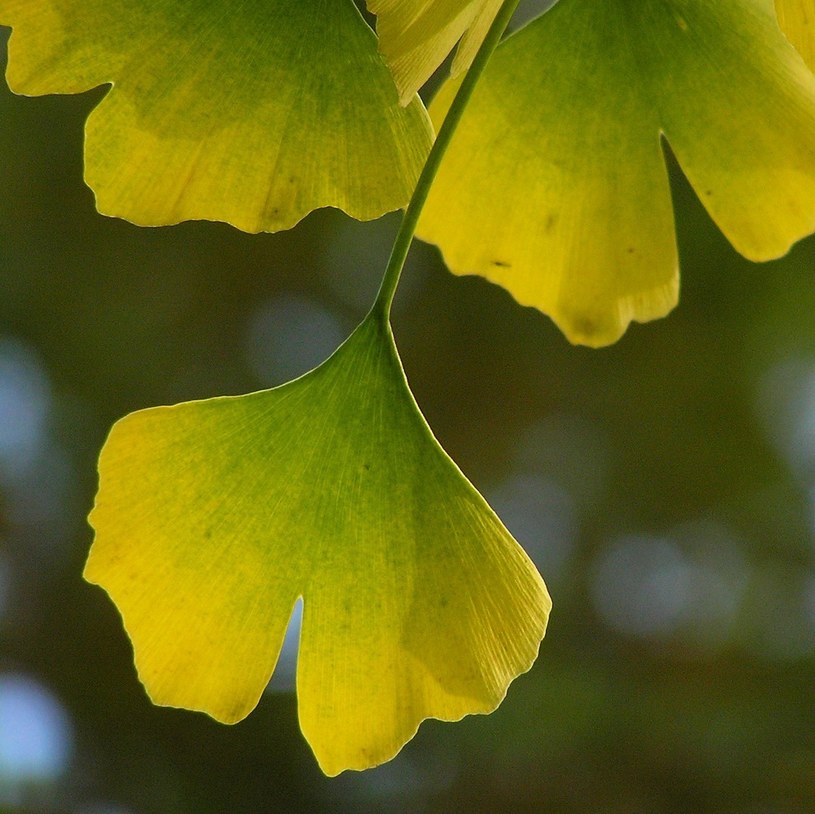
(797, 21)
(555, 186)
(213, 517)
(416, 35)
(254, 113)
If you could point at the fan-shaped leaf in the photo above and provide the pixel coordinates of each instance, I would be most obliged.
(253, 113)
(555, 185)
(213, 517)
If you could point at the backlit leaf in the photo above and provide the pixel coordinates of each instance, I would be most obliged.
(253, 113)
(797, 21)
(555, 184)
(416, 35)
(213, 517)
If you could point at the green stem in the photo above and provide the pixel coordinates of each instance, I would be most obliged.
(407, 229)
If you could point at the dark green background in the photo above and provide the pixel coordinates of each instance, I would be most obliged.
(665, 486)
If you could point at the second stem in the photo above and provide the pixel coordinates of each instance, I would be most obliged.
(407, 229)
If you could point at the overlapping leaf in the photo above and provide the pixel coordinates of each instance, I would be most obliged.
(797, 21)
(416, 35)
(555, 184)
(213, 517)
(253, 113)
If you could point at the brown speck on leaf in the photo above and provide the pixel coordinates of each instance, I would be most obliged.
(584, 326)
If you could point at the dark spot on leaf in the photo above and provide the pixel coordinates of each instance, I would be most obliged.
(366, 467)
(444, 602)
(501, 264)
(584, 326)
(708, 192)
(630, 250)
(207, 533)
(551, 220)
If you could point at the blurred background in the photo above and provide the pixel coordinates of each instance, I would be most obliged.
(665, 487)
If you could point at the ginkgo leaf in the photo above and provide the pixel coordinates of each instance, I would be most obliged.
(416, 35)
(555, 185)
(213, 517)
(254, 113)
(797, 21)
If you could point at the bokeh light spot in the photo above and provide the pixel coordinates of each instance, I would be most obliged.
(35, 733)
(642, 586)
(288, 337)
(24, 409)
(719, 576)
